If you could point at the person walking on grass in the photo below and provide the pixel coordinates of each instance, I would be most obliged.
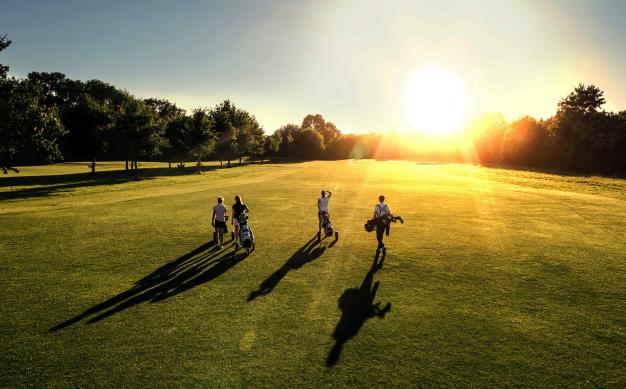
(238, 209)
(218, 220)
(381, 214)
(322, 206)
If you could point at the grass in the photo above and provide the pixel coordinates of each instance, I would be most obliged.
(497, 278)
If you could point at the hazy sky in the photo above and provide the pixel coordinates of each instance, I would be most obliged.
(348, 60)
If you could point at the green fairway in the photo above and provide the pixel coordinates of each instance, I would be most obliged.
(497, 278)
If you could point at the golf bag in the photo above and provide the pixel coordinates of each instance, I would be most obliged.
(246, 238)
(327, 225)
(372, 224)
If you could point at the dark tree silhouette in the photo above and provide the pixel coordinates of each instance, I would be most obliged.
(29, 130)
(200, 135)
(4, 43)
(308, 144)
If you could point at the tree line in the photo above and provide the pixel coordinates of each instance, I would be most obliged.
(579, 137)
(47, 117)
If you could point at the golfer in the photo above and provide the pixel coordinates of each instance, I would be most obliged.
(381, 214)
(322, 206)
(218, 220)
(238, 209)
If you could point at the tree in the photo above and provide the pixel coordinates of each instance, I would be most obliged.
(523, 142)
(138, 132)
(249, 135)
(4, 70)
(287, 134)
(176, 123)
(349, 146)
(222, 115)
(29, 130)
(584, 99)
(487, 133)
(57, 90)
(239, 133)
(271, 144)
(88, 121)
(201, 137)
(308, 144)
(316, 122)
(330, 133)
(577, 129)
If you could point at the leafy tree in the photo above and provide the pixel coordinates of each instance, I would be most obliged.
(316, 122)
(4, 70)
(523, 142)
(249, 141)
(200, 135)
(88, 110)
(238, 131)
(57, 89)
(138, 132)
(176, 123)
(287, 134)
(584, 99)
(308, 144)
(271, 144)
(222, 115)
(88, 122)
(29, 130)
(349, 146)
(578, 129)
(487, 133)
(330, 132)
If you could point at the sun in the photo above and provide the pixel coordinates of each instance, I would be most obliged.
(434, 101)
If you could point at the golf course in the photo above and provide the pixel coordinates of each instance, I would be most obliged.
(496, 278)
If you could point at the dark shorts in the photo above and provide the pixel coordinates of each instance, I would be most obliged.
(221, 225)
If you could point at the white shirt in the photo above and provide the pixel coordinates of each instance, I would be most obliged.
(220, 212)
(381, 209)
(322, 204)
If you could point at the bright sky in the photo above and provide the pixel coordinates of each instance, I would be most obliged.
(348, 60)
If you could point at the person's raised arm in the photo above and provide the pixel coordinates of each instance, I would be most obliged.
(329, 193)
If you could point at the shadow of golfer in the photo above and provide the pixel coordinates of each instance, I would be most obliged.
(190, 270)
(307, 253)
(357, 305)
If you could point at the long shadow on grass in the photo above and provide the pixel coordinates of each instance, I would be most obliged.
(357, 306)
(192, 269)
(307, 253)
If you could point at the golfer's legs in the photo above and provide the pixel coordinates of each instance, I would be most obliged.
(380, 230)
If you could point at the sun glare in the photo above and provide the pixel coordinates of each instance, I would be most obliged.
(434, 101)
